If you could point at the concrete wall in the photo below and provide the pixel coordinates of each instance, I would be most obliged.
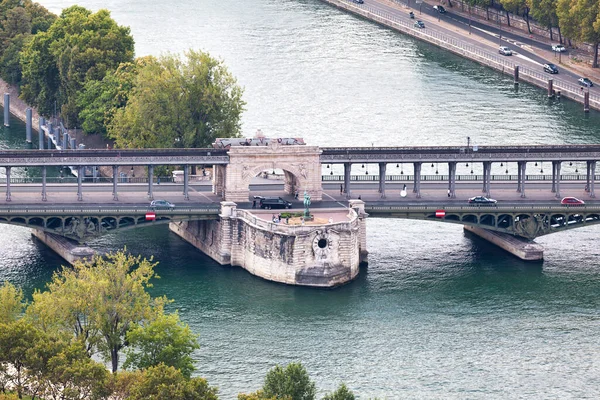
(324, 255)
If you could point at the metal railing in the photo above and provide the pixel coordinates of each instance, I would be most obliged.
(462, 48)
(462, 178)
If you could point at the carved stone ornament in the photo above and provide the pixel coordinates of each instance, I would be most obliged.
(321, 245)
(532, 227)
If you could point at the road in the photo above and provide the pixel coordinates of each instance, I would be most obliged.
(432, 192)
(527, 52)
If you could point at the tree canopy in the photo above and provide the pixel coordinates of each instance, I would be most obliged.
(179, 104)
(99, 301)
(79, 46)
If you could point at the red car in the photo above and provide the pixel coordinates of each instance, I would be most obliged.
(572, 201)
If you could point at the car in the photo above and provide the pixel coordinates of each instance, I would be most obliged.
(505, 51)
(273, 202)
(440, 9)
(571, 201)
(358, 1)
(419, 24)
(550, 68)
(482, 200)
(161, 204)
(585, 82)
(559, 48)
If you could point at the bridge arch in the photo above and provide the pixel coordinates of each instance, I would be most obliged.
(301, 165)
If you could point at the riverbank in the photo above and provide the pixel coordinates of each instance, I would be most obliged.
(555, 87)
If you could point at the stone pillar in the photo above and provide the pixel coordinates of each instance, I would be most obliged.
(359, 207)
(6, 109)
(519, 176)
(523, 168)
(347, 168)
(587, 175)
(28, 123)
(44, 183)
(382, 169)
(115, 177)
(556, 177)
(593, 177)
(186, 178)
(65, 141)
(489, 179)
(8, 183)
(452, 179)
(228, 213)
(417, 179)
(484, 184)
(150, 181)
(80, 170)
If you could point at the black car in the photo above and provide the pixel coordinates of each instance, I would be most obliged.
(440, 9)
(273, 202)
(550, 68)
(358, 1)
(482, 200)
(419, 24)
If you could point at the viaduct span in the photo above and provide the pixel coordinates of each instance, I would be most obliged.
(319, 252)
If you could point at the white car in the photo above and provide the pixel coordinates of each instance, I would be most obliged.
(559, 48)
(505, 51)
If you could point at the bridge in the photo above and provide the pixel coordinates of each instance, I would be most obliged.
(238, 163)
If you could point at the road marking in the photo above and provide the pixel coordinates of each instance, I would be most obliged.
(334, 199)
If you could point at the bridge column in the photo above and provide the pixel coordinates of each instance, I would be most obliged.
(8, 183)
(417, 179)
(522, 168)
(452, 179)
(519, 176)
(347, 167)
(556, 178)
(150, 181)
(382, 169)
(79, 180)
(44, 183)
(592, 176)
(115, 177)
(186, 178)
(487, 177)
(587, 177)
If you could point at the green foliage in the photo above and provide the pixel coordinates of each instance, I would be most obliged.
(179, 104)
(11, 303)
(341, 393)
(10, 60)
(98, 302)
(290, 382)
(580, 20)
(79, 46)
(164, 340)
(99, 100)
(162, 382)
(259, 395)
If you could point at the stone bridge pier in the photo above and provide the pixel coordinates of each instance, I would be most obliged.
(301, 166)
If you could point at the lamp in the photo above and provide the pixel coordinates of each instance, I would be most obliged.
(328, 166)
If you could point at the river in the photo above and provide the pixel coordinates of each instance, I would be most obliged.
(437, 314)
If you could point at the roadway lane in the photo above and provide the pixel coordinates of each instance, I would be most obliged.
(487, 38)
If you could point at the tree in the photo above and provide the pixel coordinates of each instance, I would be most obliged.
(163, 382)
(99, 301)
(292, 382)
(17, 340)
(11, 303)
(163, 340)
(544, 12)
(179, 104)
(79, 46)
(341, 393)
(99, 100)
(580, 20)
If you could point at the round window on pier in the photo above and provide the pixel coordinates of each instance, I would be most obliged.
(322, 243)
